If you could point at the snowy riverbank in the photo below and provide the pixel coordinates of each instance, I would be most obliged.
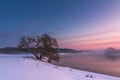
(17, 68)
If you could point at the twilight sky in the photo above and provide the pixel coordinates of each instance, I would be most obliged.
(77, 24)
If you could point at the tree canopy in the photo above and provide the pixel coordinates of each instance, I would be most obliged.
(41, 47)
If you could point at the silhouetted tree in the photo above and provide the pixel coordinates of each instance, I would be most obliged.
(41, 47)
(109, 53)
(110, 50)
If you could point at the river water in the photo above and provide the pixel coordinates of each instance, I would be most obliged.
(98, 63)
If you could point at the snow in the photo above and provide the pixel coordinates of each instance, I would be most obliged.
(15, 67)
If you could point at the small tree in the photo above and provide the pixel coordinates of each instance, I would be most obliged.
(40, 47)
(110, 50)
(109, 53)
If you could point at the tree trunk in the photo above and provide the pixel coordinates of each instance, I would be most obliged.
(40, 57)
(49, 60)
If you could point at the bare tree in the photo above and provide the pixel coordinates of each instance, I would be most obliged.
(40, 47)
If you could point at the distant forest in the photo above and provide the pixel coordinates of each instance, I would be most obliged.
(12, 50)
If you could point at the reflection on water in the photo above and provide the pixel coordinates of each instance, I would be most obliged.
(99, 63)
(112, 57)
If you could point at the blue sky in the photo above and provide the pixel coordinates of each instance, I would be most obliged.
(59, 18)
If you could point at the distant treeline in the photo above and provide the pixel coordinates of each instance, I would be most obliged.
(12, 50)
(66, 50)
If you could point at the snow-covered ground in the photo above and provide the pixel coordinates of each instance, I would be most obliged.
(15, 67)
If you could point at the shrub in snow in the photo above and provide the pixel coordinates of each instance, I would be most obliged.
(44, 47)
